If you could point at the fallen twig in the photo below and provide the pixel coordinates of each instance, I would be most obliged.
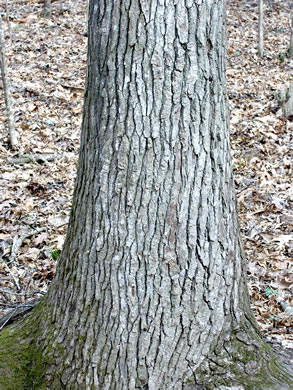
(65, 85)
(21, 294)
(5, 319)
(18, 240)
(17, 312)
(32, 158)
(13, 277)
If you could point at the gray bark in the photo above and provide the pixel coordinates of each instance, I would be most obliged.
(46, 11)
(285, 98)
(260, 28)
(13, 135)
(8, 21)
(290, 51)
(153, 246)
(150, 291)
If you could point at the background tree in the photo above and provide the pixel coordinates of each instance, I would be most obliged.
(6, 90)
(150, 291)
(8, 21)
(290, 51)
(46, 11)
(260, 28)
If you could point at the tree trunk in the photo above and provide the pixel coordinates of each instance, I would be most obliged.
(46, 11)
(150, 291)
(290, 51)
(13, 135)
(260, 28)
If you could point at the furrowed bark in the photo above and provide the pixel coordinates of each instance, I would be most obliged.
(150, 291)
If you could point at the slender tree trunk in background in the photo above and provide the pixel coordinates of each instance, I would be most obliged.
(6, 90)
(150, 291)
(260, 28)
(290, 52)
(46, 12)
(8, 21)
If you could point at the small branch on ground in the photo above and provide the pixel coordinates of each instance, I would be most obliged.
(17, 312)
(13, 277)
(18, 240)
(32, 158)
(21, 294)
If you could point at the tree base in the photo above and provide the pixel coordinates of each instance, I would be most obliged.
(242, 360)
(22, 364)
(239, 360)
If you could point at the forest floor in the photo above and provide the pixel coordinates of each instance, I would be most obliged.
(47, 65)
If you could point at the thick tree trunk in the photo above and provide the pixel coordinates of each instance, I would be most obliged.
(150, 292)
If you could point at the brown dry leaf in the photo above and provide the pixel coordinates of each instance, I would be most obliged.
(41, 238)
(5, 237)
(58, 221)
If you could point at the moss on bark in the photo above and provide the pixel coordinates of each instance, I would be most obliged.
(22, 364)
(238, 360)
(242, 360)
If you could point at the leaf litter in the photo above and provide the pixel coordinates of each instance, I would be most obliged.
(262, 149)
(47, 65)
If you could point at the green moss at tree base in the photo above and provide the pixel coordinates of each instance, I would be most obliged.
(243, 360)
(238, 358)
(22, 365)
